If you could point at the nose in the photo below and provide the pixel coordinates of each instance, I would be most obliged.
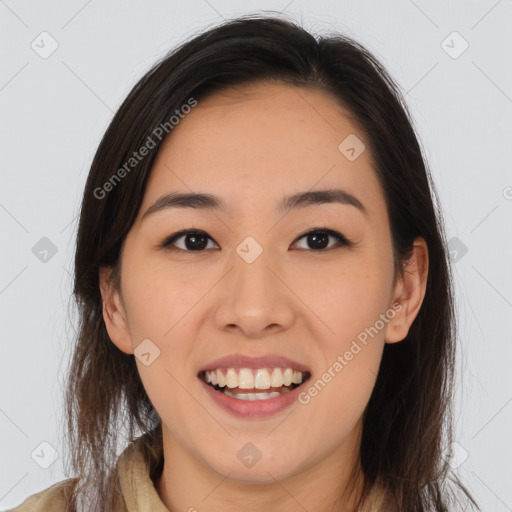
(256, 300)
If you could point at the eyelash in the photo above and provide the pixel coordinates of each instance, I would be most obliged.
(342, 240)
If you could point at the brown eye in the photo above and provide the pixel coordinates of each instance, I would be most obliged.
(318, 239)
(197, 241)
(192, 241)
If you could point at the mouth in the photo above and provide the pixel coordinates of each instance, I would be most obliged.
(253, 384)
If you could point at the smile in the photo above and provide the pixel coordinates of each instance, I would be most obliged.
(251, 384)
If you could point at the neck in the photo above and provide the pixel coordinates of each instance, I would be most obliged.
(333, 484)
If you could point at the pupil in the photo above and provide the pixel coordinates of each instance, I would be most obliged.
(316, 236)
(317, 241)
(195, 245)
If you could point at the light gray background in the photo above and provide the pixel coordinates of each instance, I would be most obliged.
(54, 111)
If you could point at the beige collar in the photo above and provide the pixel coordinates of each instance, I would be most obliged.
(138, 489)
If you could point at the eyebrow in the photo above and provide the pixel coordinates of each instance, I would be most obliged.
(289, 202)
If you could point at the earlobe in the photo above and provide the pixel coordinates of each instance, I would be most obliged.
(409, 292)
(114, 314)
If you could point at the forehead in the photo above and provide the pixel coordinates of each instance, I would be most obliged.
(245, 142)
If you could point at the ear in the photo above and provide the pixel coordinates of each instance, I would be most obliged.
(114, 313)
(409, 292)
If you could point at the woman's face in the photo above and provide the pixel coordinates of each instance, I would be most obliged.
(254, 285)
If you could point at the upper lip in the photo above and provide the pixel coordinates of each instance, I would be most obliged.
(243, 361)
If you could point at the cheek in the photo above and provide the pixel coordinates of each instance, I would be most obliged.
(347, 302)
(157, 305)
(158, 311)
(338, 395)
(172, 395)
(352, 306)
(156, 300)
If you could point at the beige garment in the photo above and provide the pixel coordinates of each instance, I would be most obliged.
(139, 493)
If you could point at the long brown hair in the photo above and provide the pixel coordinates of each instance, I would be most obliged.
(407, 429)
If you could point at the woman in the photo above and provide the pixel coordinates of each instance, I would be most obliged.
(261, 368)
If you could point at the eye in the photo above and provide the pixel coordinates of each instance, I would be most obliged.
(197, 240)
(319, 237)
(194, 240)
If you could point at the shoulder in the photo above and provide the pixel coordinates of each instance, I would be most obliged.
(54, 498)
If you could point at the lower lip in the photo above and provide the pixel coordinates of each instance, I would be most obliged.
(254, 408)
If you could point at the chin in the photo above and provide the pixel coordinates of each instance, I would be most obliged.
(263, 471)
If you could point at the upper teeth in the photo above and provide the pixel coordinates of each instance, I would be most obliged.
(247, 378)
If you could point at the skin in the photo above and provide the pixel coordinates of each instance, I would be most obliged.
(251, 146)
